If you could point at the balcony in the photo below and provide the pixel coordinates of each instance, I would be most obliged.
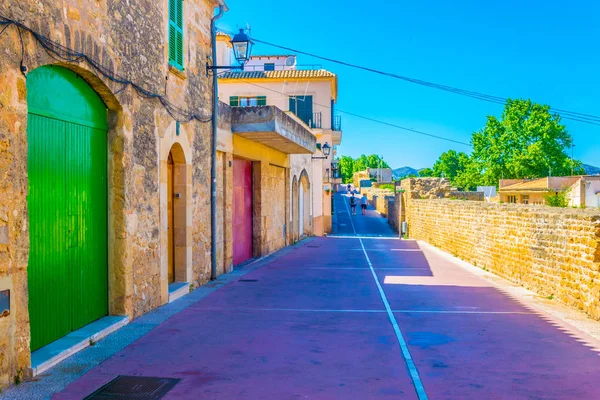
(302, 67)
(337, 123)
(317, 121)
(271, 127)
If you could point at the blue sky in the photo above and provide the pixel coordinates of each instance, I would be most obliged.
(546, 50)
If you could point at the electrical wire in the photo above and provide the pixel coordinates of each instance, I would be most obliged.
(570, 115)
(364, 117)
(62, 53)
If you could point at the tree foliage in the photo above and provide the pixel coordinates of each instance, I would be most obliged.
(348, 165)
(425, 172)
(526, 142)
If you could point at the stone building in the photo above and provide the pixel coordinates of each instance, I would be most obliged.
(308, 95)
(105, 154)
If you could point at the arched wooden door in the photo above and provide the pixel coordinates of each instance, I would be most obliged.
(67, 203)
(170, 220)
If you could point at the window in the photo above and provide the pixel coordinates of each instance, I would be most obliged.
(302, 106)
(525, 199)
(269, 67)
(247, 101)
(511, 199)
(176, 34)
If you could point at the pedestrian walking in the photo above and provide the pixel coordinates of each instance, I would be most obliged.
(353, 205)
(349, 188)
(363, 204)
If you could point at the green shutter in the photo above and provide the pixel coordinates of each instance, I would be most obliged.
(261, 100)
(234, 101)
(176, 33)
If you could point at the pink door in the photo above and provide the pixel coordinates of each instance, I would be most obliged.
(242, 211)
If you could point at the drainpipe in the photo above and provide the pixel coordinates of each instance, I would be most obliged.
(213, 159)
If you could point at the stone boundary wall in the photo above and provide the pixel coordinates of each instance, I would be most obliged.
(551, 251)
(473, 196)
(392, 213)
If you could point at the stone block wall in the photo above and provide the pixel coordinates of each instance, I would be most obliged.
(553, 252)
(129, 40)
(473, 196)
(392, 213)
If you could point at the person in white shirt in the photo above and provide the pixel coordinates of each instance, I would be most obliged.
(363, 204)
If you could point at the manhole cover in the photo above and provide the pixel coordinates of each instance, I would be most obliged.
(134, 387)
(313, 245)
(248, 280)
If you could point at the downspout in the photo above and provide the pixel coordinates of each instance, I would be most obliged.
(213, 158)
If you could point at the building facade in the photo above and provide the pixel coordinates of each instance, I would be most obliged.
(309, 95)
(580, 191)
(105, 132)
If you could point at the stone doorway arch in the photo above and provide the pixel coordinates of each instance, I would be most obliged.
(304, 205)
(176, 217)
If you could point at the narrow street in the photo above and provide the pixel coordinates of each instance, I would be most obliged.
(314, 323)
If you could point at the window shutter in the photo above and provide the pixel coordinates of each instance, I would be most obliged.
(234, 101)
(176, 33)
(261, 100)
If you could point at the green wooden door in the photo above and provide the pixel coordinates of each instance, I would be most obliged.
(67, 202)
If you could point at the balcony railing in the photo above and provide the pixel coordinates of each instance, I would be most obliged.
(316, 121)
(337, 123)
(261, 67)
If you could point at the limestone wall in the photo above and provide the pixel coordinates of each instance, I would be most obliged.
(392, 213)
(129, 40)
(554, 252)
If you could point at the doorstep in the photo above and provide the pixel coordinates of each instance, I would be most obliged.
(48, 356)
(177, 290)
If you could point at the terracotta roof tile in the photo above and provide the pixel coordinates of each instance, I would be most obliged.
(290, 73)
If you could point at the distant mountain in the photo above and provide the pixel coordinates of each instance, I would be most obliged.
(404, 171)
(591, 170)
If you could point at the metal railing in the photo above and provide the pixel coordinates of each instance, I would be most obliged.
(303, 67)
(337, 123)
(317, 121)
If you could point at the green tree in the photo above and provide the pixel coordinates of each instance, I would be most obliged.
(528, 141)
(425, 172)
(450, 164)
(346, 168)
(348, 165)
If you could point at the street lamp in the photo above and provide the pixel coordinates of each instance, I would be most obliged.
(326, 150)
(242, 47)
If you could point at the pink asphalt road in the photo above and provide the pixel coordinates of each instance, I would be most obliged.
(313, 324)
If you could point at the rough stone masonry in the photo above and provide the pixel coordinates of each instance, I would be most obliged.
(552, 251)
(129, 38)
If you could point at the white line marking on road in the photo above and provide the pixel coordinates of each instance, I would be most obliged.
(412, 368)
(406, 250)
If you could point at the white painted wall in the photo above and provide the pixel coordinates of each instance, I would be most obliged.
(592, 193)
(256, 63)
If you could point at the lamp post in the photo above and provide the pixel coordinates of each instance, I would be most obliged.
(326, 150)
(242, 46)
